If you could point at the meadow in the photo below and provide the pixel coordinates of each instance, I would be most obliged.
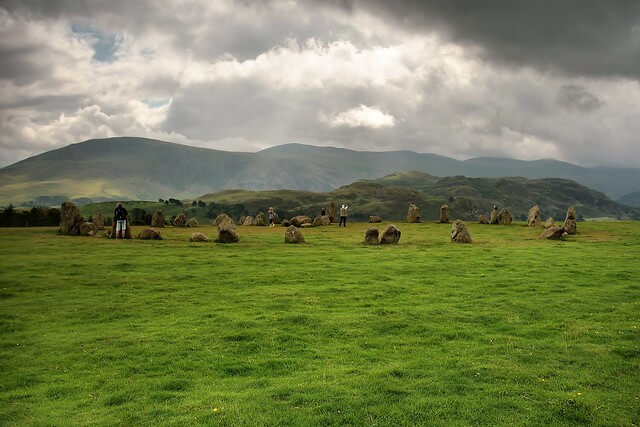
(508, 330)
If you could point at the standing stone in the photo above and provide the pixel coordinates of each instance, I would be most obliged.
(70, 219)
(88, 229)
(495, 215)
(444, 214)
(371, 236)
(98, 220)
(260, 220)
(332, 212)
(221, 218)
(374, 219)
(413, 215)
(549, 223)
(570, 224)
(552, 233)
(149, 234)
(198, 237)
(293, 235)
(483, 219)
(533, 219)
(321, 220)
(460, 232)
(157, 220)
(248, 220)
(299, 220)
(180, 221)
(504, 217)
(241, 221)
(390, 235)
(192, 222)
(286, 222)
(276, 218)
(227, 232)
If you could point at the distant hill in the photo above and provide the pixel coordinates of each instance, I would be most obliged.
(390, 196)
(138, 168)
(631, 199)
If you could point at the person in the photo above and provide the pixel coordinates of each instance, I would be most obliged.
(323, 212)
(343, 215)
(120, 216)
(272, 217)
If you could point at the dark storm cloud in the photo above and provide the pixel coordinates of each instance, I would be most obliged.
(580, 37)
(578, 98)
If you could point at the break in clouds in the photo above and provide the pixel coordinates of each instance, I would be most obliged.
(510, 78)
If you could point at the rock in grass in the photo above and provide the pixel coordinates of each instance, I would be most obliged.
(390, 235)
(88, 229)
(533, 218)
(157, 220)
(222, 218)
(374, 219)
(460, 232)
(227, 232)
(70, 219)
(198, 237)
(482, 219)
(260, 220)
(570, 224)
(413, 214)
(495, 215)
(293, 235)
(549, 223)
(286, 222)
(180, 221)
(248, 220)
(149, 234)
(371, 236)
(299, 220)
(552, 233)
(332, 212)
(444, 214)
(192, 222)
(505, 217)
(98, 220)
(321, 220)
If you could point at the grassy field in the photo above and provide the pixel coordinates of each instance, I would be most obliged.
(508, 330)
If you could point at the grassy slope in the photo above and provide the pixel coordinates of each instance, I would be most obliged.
(510, 330)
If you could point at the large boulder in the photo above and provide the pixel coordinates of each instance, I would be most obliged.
(533, 219)
(390, 235)
(505, 217)
(371, 236)
(297, 221)
(198, 237)
(570, 224)
(98, 220)
(444, 214)
(321, 220)
(227, 232)
(495, 216)
(180, 221)
(192, 222)
(413, 214)
(552, 233)
(260, 220)
(276, 218)
(293, 235)
(222, 218)
(149, 234)
(242, 218)
(332, 212)
(460, 232)
(286, 222)
(70, 219)
(157, 220)
(248, 220)
(374, 219)
(549, 223)
(482, 219)
(88, 229)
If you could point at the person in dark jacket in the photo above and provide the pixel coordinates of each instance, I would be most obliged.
(323, 212)
(120, 216)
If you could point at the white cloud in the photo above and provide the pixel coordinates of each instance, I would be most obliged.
(362, 116)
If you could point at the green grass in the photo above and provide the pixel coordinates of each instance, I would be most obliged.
(509, 330)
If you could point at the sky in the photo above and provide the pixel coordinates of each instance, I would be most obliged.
(509, 78)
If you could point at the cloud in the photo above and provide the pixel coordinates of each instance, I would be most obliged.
(362, 116)
(578, 98)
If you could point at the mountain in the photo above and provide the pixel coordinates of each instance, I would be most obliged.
(390, 196)
(630, 199)
(139, 168)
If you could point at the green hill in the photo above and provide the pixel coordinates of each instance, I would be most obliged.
(390, 196)
(138, 168)
(631, 199)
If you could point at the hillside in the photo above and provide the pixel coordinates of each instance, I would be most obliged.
(137, 168)
(631, 199)
(389, 197)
